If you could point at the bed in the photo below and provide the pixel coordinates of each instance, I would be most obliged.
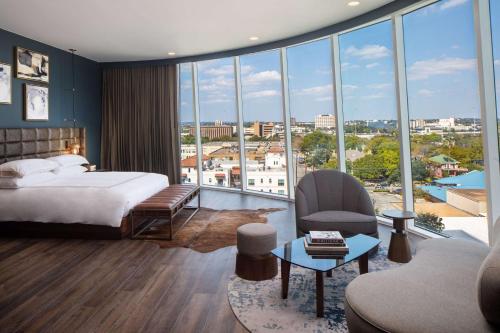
(90, 205)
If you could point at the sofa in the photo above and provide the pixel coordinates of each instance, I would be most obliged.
(330, 200)
(451, 285)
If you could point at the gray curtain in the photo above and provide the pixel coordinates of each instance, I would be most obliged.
(139, 120)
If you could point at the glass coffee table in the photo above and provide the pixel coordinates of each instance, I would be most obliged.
(294, 253)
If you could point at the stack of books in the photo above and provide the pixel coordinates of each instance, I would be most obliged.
(325, 245)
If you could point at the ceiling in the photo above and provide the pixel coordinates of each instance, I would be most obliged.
(129, 30)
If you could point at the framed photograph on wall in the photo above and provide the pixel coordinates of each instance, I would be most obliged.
(31, 65)
(36, 102)
(5, 83)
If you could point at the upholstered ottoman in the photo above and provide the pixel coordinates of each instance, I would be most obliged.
(254, 260)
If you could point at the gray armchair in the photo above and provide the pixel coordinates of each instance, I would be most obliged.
(328, 200)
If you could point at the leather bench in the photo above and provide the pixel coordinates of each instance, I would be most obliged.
(164, 205)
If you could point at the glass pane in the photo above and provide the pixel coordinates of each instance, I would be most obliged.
(265, 150)
(446, 144)
(311, 107)
(370, 117)
(218, 121)
(189, 174)
(495, 29)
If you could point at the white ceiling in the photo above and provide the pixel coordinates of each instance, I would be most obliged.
(128, 30)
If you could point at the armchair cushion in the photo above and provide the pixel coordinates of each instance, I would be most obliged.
(344, 221)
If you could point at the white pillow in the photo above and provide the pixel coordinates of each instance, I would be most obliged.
(34, 179)
(71, 170)
(69, 160)
(22, 168)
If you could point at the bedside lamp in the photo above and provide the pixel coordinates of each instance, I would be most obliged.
(74, 148)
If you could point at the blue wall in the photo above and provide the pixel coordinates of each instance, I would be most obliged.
(87, 98)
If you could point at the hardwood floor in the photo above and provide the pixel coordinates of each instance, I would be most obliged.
(52, 285)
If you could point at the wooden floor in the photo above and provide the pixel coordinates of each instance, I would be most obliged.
(126, 286)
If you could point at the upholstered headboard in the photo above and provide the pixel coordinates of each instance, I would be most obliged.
(21, 143)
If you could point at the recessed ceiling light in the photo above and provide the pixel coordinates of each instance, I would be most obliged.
(171, 53)
(254, 38)
(353, 3)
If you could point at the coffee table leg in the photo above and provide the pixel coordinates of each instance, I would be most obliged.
(363, 263)
(285, 277)
(319, 294)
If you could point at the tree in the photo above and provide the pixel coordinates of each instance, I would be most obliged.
(331, 164)
(318, 148)
(419, 170)
(369, 167)
(430, 221)
(354, 142)
(188, 140)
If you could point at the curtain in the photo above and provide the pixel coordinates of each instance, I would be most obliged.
(139, 120)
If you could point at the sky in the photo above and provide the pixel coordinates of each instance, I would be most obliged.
(440, 64)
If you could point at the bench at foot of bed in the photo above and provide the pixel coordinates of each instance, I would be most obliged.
(163, 207)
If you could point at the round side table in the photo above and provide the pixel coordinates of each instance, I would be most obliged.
(399, 248)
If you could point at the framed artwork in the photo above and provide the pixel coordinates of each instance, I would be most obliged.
(5, 83)
(31, 65)
(36, 102)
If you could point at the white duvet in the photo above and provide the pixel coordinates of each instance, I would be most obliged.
(100, 198)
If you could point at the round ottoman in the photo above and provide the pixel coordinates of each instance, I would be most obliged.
(254, 260)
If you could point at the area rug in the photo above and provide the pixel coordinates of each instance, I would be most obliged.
(260, 308)
(210, 229)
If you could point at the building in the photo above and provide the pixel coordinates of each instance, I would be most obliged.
(443, 166)
(263, 130)
(264, 180)
(213, 132)
(448, 123)
(275, 158)
(324, 121)
(417, 124)
(187, 151)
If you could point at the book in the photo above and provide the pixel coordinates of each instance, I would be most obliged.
(326, 237)
(327, 256)
(311, 243)
(325, 250)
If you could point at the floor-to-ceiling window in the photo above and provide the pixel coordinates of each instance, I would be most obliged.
(264, 129)
(495, 31)
(370, 117)
(218, 123)
(312, 127)
(189, 173)
(444, 112)
(444, 128)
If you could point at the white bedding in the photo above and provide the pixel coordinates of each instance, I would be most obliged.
(99, 198)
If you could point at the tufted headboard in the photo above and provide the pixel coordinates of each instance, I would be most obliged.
(21, 143)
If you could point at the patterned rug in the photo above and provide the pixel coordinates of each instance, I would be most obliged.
(209, 229)
(260, 308)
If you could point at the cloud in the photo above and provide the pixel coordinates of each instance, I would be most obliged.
(349, 87)
(424, 69)
(379, 86)
(497, 62)
(373, 96)
(368, 52)
(263, 93)
(220, 71)
(323, 71)
(324, 98)
(217, 100)
(317, 90)
(372, 65)
(452, 3)
(425, 92)
(259, 77)
(347, 66)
